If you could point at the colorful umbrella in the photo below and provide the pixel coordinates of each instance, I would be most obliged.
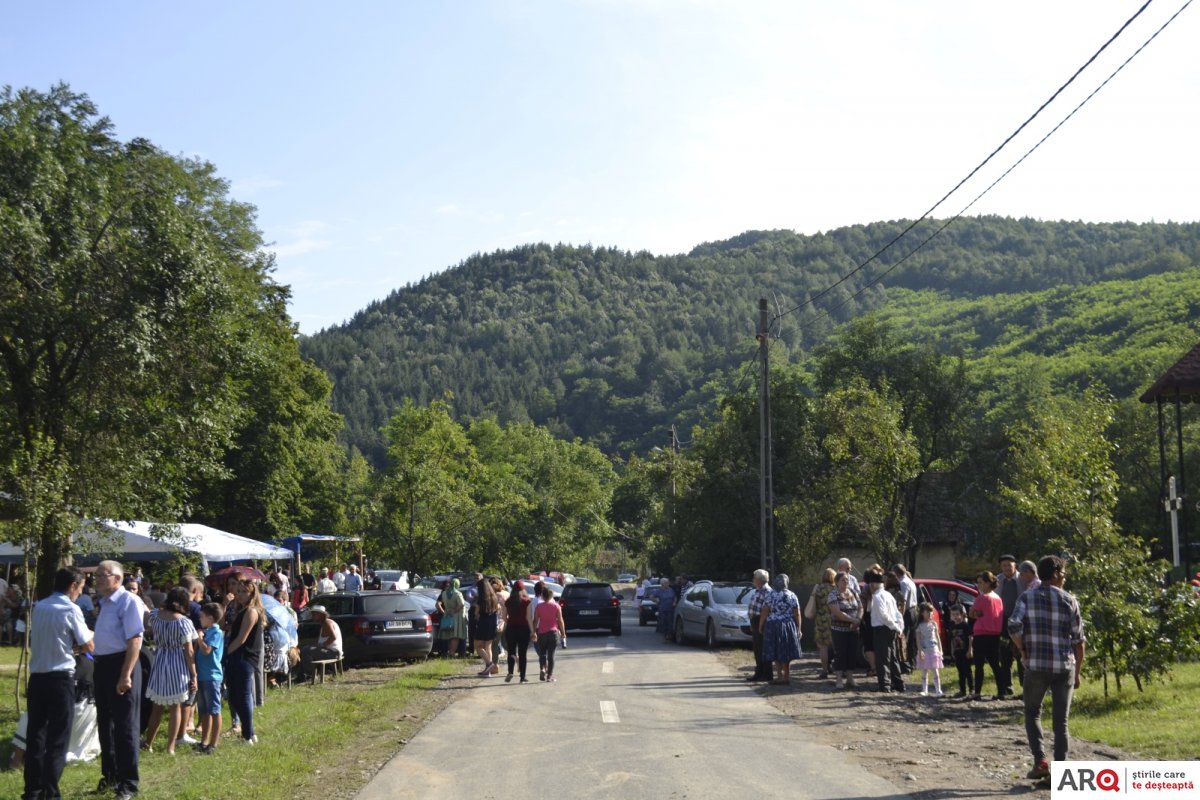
(218, 578)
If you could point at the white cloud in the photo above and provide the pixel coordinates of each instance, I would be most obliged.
(448, 208)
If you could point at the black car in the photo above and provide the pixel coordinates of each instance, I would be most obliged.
(376, 626)
(591, 605)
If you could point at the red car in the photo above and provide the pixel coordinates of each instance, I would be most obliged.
(935, 590)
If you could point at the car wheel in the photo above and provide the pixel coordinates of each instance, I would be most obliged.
(679, 630)
(710, 635)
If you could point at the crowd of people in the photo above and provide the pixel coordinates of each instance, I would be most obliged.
(1022, 616)
(153, 654)
(211, 645)
(499, 621)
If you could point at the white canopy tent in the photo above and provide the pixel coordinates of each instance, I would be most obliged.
(97, 540)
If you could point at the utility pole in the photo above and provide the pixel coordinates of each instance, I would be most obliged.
(766, 491)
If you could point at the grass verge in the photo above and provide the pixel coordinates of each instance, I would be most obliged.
(1159, 723)
(314, 741)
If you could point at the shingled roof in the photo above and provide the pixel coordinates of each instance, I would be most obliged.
(1182, 380)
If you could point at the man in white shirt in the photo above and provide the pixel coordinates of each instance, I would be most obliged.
(910, 613)
(339, 577)
(325, 585)
(886, 626)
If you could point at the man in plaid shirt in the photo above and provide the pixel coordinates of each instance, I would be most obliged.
(762, 669)
(1047, 631)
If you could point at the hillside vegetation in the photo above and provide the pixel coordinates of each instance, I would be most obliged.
(614, 347)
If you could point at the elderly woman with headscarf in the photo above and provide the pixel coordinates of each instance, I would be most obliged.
(666, 608)
(453, 627)
(780, 625)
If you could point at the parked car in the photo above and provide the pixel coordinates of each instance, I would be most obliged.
(648, 609)
(591, 605)
(626, 577)
(376, 625)
(716, 612)
(390, 579)
(554, 587)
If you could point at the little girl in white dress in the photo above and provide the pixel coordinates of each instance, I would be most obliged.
(929, 651)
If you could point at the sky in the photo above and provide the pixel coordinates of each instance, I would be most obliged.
(383, 142)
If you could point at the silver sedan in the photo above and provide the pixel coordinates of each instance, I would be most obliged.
(714, 613)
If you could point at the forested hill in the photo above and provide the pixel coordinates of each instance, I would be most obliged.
(615, 347)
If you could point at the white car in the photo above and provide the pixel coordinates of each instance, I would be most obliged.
(626, 577)
(390, 579)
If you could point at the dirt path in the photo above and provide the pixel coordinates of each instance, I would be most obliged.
(931, 748)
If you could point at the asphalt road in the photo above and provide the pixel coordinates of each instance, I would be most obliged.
(630, 717)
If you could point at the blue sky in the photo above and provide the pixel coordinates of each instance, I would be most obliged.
(383, 142)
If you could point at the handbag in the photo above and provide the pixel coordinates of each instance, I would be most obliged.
(810, 609)
(447, 622)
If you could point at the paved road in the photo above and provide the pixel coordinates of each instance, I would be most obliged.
(629, 717)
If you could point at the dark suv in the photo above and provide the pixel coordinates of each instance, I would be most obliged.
(591, 605)
(376, 626)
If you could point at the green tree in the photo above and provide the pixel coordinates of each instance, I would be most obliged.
(425, 492)
(1061, 475)
(859, 494)
(546, 498)
(125, 275)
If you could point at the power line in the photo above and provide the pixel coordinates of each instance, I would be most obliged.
(1017, 163)
(973, 172)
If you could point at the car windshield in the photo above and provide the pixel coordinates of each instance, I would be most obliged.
(388, 574)
(732, 595)
(390, 603)
(598, 592)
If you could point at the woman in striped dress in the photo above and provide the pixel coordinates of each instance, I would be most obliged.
(173, 676)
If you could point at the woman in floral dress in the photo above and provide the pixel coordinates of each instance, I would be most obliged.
(822, 630)
(173, 676)
(780, 625)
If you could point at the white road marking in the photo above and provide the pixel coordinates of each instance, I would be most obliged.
(610, 646)
(608, 712)
(606, 668)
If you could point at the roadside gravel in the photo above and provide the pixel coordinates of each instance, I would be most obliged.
(931, 748)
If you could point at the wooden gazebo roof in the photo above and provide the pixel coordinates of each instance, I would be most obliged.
(1182, 380)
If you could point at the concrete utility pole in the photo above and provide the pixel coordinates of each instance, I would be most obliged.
(766, 490)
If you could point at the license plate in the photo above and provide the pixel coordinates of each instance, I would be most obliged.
(398, 625)
(585, 612)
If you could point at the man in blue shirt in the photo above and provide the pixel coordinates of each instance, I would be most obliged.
(354, 581)
(57, 634)
(118, 681)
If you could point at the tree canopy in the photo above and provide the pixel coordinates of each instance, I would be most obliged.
(135, 302)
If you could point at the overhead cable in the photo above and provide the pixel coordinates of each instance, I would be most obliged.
(980, 166)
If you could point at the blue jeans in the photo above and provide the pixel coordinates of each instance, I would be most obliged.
(1061, 686)
(239, 677)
